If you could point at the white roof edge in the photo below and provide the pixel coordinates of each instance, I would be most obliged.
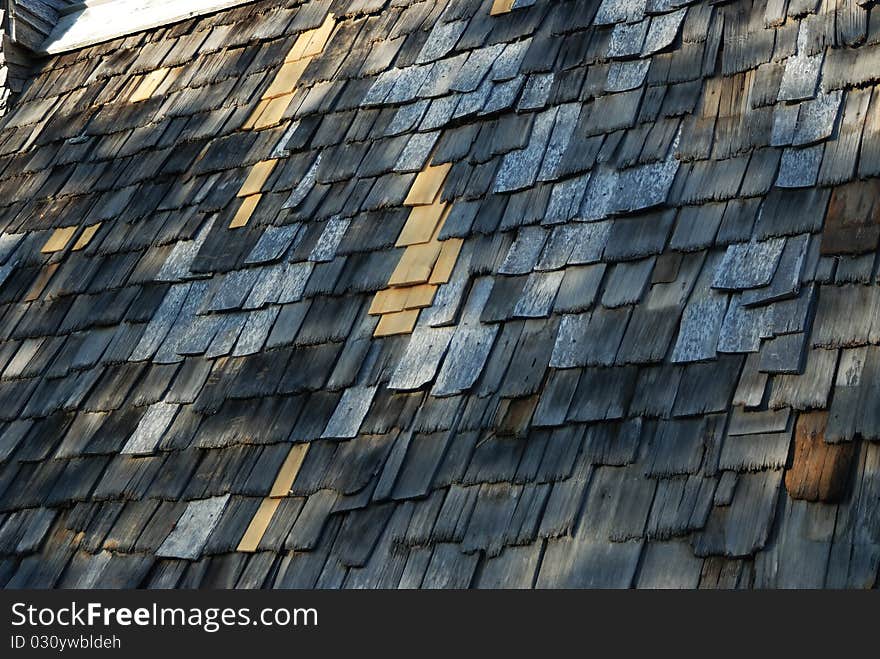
(97, 21)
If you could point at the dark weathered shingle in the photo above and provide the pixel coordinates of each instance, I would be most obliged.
(575, 294)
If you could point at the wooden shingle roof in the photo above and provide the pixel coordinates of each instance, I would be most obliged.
(379, 293)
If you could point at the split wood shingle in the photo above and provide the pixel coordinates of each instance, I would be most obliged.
(499, 294)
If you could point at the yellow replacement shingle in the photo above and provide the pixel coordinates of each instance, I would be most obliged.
(320, 37)
(400, 298)
(416, 264)
(168, 80)
(388, 300)
(259, 523)
(286, 78)
(297, 52)
(148, 85)
(420, 296)
(257, 178)
(86, 237)
(127, 89)
(245, 210)
(446, 261)
(501, 7)
(289, 470)
(40, 282)
(427, 185)
(401, 322)
(58, 240)
(280, 489)
(255, 115)
(422, 223)
(312, 42)
(273, 112)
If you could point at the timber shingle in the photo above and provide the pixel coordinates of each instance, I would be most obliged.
(436, 294)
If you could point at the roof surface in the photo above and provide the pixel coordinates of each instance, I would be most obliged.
(447, 294)
(94, 21)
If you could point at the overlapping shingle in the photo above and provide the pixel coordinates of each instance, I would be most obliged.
(438, 294)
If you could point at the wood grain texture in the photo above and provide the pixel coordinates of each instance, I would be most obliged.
(819, 471)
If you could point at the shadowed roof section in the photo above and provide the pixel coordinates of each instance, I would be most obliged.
(483, 293)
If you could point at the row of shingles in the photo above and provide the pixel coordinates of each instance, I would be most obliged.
(87, 74)
(248, 458)
(532, 241)
(488, 517)
(497, 503)
(724, 532)
(308, 45)
(849, 236)
(821, 534)
(462, 220)
(720, 121)
(728, 105)
(194, 330)
(105, 246)
(841, 548)
(731, 542)
(810, 121)
(349, 417)
(434, 558)
(552, 281)
(316, 502)
(130, 56)
(129, 474)
(333, 230)
(624, 276)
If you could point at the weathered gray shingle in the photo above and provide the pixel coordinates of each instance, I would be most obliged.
(192, 530)
(636, 345)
